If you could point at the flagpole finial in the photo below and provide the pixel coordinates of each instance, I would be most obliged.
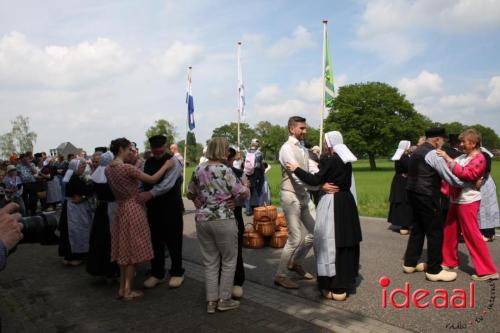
(325, 21)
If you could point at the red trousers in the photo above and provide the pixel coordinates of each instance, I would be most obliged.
(462, 219)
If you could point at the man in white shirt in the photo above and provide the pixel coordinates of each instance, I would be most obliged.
(297, 205)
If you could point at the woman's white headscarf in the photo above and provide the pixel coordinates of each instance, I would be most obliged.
(403, 146)
(334, 140)
(98, 176)
(73, 165)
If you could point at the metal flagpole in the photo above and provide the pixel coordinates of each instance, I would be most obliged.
(322, 111)
(239, 96)
(186, 140)
(239, 116)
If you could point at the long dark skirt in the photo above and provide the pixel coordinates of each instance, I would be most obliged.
(400, 212)
(347, 270)
(99, 257)
(239, 274)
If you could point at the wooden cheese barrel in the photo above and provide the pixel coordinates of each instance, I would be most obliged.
(280, 221)
(252, 239)
(264, 226)
(278, 240)
(265, 211)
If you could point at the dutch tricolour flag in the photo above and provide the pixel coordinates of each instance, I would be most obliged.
(190, 103)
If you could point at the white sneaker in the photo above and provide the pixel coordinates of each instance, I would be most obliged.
(487, 277)
(237, 292)
(152, 282)
(444, 275)
(211, 307)
(175, 281)
(227, 304)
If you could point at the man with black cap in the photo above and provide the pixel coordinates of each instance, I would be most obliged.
(165, 216)
(425, 172)
(454, 146)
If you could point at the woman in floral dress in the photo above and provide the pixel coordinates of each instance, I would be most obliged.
(213, 187)
(130, 238)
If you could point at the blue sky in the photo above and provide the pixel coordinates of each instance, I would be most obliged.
(90, 71)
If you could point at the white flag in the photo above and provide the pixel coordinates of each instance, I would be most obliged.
(241, 87)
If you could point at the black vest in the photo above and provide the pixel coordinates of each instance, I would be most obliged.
(422, 178)
(171, 199)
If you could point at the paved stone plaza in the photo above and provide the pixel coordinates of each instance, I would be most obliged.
(39, 294)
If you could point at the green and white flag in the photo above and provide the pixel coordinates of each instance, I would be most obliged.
(328, 75)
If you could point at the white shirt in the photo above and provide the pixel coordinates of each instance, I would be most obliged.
(286, 155)
(179, 157)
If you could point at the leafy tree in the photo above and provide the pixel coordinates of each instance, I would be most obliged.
(271, 138)
(490, 138)
(452, 128)
(373, 117)
(161, 127)
(312, 136)
(20, 139)
(230, 132)
(194, 149)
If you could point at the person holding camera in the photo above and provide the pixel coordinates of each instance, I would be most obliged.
(10, 231)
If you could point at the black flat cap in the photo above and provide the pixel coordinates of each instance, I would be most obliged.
(453, 138)
(100, 149)
(435, 132)
(157, 141)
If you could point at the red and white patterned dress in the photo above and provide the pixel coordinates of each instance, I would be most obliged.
(130, 237)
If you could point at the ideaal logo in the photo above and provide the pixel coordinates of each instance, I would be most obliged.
(440, 299)
(423, 298)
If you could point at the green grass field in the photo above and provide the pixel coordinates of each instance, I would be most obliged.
(372, 186)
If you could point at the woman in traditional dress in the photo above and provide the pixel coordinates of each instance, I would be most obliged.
(337, 232)
(400, 213)
(54, 191)
(130, 237)
(99, 260)
(76, 215)
(488, 217)
(464, 208)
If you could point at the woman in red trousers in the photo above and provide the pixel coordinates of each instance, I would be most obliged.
(464, 207)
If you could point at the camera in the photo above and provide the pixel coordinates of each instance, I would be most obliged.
(40, 229)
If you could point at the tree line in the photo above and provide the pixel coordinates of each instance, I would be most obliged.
(373, 117)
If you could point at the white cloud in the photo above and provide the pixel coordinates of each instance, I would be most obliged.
(423, 85)
(476, 105)
(23, 64)
(267, 93)
(301, 39)
(469, 15)
(310, 90)
(283, 109)
(392, 28)
(177, 58)
(494, 95)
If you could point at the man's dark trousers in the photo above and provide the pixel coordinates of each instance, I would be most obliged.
(166, 230)
(428, 222)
